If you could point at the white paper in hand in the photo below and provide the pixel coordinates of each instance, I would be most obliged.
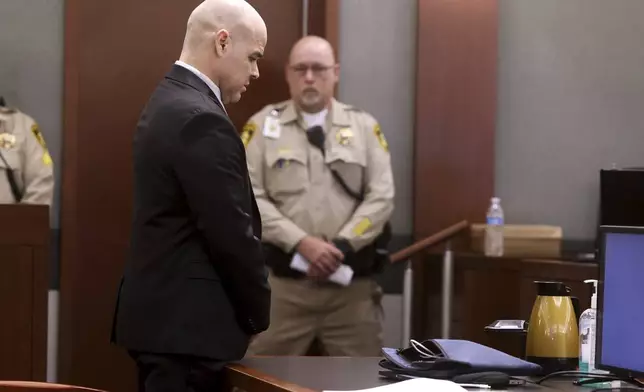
(416, 385)
(341, 276)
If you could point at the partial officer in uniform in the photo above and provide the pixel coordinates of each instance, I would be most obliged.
(321, 172)
(26, 169)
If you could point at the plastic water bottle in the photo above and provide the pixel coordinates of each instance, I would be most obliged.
(494, 229)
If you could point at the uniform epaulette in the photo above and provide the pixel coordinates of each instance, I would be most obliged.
(350, 108)
(7, 110)
(279, 107)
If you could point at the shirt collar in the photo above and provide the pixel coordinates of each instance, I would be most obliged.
(215, 89)
(337, 113)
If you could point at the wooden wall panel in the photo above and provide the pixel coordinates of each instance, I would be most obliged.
(271, 85)
(455, 112)
(455, 117)
(115, 53)
(24, 266)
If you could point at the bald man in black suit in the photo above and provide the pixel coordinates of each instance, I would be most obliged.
(195, 289)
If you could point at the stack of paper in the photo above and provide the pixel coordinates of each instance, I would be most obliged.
(416, 385)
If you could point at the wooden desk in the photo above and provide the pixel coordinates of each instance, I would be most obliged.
(491, 288)
(315, 374)
(24, 261)
(304, 374)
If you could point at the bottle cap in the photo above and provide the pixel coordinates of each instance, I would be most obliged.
(593, 298)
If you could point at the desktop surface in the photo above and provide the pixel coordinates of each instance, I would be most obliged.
(569, 249)
(351, 373)
(321, 373)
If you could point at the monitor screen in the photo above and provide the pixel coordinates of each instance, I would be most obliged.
(620, 322)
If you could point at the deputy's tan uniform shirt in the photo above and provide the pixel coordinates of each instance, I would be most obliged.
(295, 190)
(24, 150)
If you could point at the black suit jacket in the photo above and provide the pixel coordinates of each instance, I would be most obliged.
(195, 281)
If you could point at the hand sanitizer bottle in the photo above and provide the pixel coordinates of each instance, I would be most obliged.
(587, 335)
(494, 229)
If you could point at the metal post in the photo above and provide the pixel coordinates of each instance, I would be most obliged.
(407, 299)
(52, 336)
(305, 18)
(448, 276)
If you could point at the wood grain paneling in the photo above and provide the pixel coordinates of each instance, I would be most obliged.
(24, 263)
(455, 119)
(16, 305)
(115, 53)
(455, 112)
(284, 24)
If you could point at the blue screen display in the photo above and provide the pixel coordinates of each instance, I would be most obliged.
(623, 311)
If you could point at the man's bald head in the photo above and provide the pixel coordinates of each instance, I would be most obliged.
(224, 39)
(312, 73)
(312, 43)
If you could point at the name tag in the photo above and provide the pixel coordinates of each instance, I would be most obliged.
(272, 128)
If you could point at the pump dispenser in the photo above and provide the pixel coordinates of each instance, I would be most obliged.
(587, 332)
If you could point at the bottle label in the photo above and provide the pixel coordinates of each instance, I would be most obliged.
(494, 220)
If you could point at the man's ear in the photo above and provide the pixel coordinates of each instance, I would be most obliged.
(222, 42)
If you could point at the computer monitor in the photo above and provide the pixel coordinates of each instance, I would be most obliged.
(621, 197)
(620, 301)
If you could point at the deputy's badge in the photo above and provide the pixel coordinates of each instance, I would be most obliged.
(344, 136)
(381, 137)
(272, 128)
(46, 158)
(7, 141)
(248, 132)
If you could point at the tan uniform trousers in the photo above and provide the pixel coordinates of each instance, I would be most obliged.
(346, 320)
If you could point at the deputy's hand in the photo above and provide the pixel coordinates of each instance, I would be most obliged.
(324, 257)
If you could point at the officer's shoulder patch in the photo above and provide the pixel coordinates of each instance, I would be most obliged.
(36, 131)
(248, 131)
(381, 137)
(46, 158)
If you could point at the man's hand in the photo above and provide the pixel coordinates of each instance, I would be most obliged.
(324, 257)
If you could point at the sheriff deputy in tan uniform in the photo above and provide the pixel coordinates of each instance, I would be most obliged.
(26, 169)
(293, 148)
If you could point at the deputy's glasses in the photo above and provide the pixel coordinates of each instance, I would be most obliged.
(316, 69)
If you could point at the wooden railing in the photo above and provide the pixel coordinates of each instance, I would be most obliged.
(448, 266)
(427, 242)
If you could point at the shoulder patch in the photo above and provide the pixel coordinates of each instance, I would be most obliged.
(381, 137)
(46, 158)
(248, 132)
